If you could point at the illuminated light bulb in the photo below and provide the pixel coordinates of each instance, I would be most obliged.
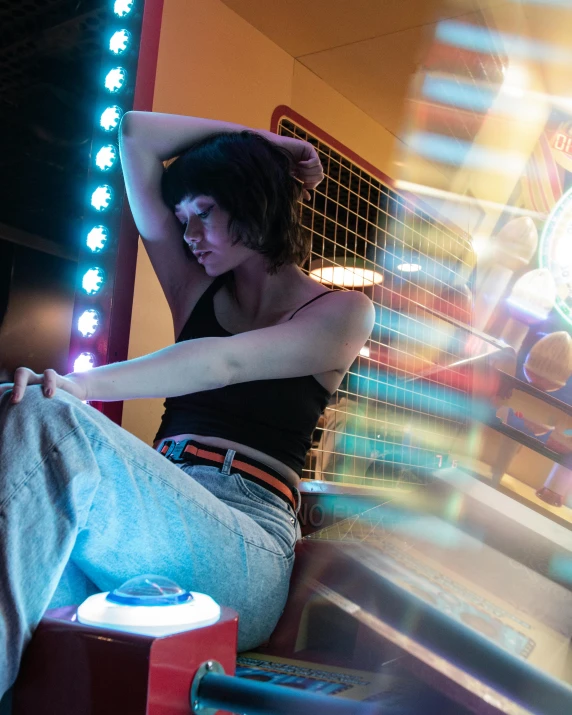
(101, 197)
(110, 118)
(115, 79)
(409, 267)
(149, 605)
(92, 280)
(106, 157)
(88, 322)
(119, 42)
(531, 300)
(548, 365)
(97, 238)
(346, 277)
(84, 362)
(123, 7)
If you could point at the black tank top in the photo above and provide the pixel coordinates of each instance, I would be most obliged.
(276, 417)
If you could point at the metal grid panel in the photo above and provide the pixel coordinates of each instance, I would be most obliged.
(385, 424)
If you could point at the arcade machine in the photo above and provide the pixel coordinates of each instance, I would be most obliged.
(463, 581)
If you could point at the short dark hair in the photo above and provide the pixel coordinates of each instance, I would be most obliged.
(252, 179)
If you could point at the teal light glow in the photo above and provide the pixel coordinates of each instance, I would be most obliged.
(115, 80)
(122, 7)
(102, 197)
(119, 42)
(110, 118)
(97, 238)
(93, 280)
(106, 157)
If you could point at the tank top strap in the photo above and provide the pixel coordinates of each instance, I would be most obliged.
(334, 290)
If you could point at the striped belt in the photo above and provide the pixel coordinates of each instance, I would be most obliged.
(232, 461)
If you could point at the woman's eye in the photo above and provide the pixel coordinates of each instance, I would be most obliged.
(204, 213)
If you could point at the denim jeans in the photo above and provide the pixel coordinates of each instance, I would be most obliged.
(85, 505)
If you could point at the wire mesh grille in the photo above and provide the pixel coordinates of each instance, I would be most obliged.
(386, 422)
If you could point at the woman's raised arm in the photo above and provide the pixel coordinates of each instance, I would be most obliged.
(146, 140)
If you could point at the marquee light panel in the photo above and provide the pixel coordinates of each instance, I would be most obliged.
(88, 323)
(106, 157)
(123, 7)
(119, 42)
(83, 362)
(97, 238)
(92, 280)
(115, 80)
(102, 197)
(110, 118)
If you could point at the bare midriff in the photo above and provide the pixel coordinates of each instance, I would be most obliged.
(287, 472)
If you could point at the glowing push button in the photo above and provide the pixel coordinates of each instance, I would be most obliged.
(149, 605)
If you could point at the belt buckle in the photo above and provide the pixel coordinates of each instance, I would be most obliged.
(175, 450)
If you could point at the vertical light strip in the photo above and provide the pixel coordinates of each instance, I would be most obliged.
(104, 186)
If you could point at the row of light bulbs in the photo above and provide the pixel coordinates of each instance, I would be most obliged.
(105, 160)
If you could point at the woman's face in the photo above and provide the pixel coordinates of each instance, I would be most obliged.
(207, 234)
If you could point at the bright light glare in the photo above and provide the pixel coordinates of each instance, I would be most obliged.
(84, 362)
(458, 93)
(346, 277)
(106, 157)
(88, 323)
(516, 77)
(481, 39)
(92, 280)
(115, 79)
(448, 150)
(101, 197)
(97, 238)
(481, 98)
(110, 118)
(364, 351)
(463, 199)
(409, 267)
(122, 7)
(119, 42)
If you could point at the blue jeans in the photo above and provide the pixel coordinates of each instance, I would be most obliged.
(85, 505)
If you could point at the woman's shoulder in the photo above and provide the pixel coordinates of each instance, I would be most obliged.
(352, 304)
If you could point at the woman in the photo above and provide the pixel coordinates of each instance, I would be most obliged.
(84, 505)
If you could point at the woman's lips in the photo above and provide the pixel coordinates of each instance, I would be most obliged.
(202, 256)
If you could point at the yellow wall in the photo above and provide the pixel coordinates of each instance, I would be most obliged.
(214, 64)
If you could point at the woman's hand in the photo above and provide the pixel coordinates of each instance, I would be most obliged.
(308, 168)
(50, 381)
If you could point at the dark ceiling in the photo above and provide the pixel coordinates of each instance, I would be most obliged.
(50, 52)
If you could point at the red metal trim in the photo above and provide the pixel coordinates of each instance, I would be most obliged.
(122, 298)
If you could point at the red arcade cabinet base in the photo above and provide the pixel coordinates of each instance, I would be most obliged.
(72, 669)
